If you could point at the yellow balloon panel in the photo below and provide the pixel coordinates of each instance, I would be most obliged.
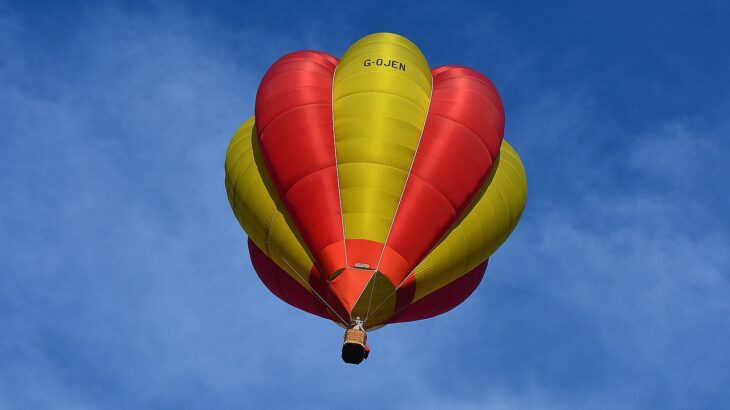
(382, 90)
(259, 213)
(389, 53)
(486, 225)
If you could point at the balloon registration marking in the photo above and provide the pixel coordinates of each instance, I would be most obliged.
(379, 62)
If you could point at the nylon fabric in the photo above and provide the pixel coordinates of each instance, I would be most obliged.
(258, 212)
(282, 285)
(484, 226)
(460, 142)
(294, 122)
(492, 216)
(377, 293)
(379, 113)
(374, 186)
(443, 299)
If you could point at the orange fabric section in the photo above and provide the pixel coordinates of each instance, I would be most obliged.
(349, 285)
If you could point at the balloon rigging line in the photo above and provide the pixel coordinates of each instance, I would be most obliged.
(443, 237)
(315, 292)
(391, 294)
(337, 171)
(405, 184)
(372, 288)
(408, 176)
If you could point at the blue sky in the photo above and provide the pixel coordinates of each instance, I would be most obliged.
(124, 277)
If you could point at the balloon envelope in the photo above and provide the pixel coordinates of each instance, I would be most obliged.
(373, 186)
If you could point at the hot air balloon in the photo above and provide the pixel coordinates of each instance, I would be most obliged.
(373, 189)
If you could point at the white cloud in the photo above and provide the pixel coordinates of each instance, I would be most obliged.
(128, 282)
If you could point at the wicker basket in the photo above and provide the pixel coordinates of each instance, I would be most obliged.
(356, 336)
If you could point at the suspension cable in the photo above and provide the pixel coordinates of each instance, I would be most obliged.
(315, 292)
(392, 293)
(397, 207)
(372, 289)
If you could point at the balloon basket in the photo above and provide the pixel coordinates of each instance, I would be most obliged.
(354, 347)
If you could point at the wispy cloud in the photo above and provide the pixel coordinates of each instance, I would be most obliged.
(125, 281)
